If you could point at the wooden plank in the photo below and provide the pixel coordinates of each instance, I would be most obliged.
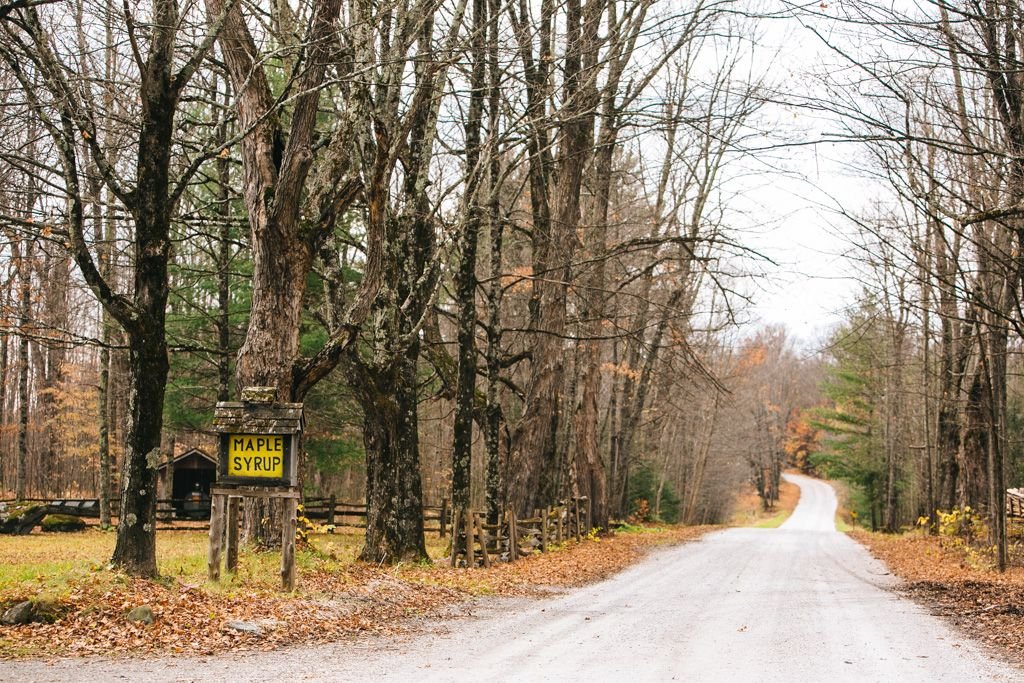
(288, 525)
(443, 516)
(1015, 503)
(513, 540)
(254, 492)
(544, 531)
(232, 534)
(217, 504)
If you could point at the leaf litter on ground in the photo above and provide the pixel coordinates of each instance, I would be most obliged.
(335, 600)
(958, 583)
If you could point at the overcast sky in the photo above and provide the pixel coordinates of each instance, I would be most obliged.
(795, 209)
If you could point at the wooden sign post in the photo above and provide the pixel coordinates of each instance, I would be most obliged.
(258, 458)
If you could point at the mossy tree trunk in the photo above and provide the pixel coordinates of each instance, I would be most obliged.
(149, 197)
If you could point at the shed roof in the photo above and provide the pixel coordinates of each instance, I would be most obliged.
(190, 453)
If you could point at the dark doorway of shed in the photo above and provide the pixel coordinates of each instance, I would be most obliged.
(192, 474)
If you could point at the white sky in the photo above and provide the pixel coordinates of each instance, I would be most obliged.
(794, 208)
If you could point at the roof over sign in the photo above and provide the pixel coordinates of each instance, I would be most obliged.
(255, 418)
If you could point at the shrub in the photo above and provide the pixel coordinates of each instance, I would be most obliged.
(963, 525)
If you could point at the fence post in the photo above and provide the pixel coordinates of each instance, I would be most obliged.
(559, 511)
(544, 530)
(232, 535)
(331, 503)
(513, 539)
(467, 522)
(443, 520)
(288, 524)
(576, 515)
(217, 503)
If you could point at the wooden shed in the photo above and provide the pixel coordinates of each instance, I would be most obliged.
(186, 482)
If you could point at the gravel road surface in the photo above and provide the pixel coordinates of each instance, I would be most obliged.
(794, 604)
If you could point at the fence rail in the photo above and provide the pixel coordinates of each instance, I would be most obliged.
(339, 513)
(512, 538)
(507, 540)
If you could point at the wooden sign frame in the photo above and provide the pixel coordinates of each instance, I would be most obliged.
(258, 416)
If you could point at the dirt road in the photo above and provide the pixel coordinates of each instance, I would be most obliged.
(798, 603)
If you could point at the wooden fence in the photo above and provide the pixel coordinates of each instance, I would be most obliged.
(508, 540)
(1015, 502)
(335, 513)
(79, 507)
(512, 538)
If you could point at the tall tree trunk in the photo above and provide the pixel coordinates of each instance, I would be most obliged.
(103, 411)
(135, 550)
(24, 317)
(997, 343)
(466, 282)
(5, 342)
(276, 164)
(55, 276)
(223, 321)
(496, 498)
(394, 521)
(554, 245)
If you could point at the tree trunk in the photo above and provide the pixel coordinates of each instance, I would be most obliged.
(148, 363)
(554, 239)
(952, 359)
(24, 313)
(998, 442)
(5, 343)
(267, 357)
(223, 321)
(394, 518)
(135, 551)
(276, 163)
(466, 282)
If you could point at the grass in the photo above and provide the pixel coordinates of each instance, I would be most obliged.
(53, 563)
(627, 528)
(749, 512)
(845, 519)
(773, 522)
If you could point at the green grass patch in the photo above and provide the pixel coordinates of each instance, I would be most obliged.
(627, 528)
(53, 565)
(12, 648)
(773, 522)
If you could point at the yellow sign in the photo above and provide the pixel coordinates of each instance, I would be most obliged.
(251, 455)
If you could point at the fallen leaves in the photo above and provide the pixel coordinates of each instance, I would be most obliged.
(335, 600)
(984, 603)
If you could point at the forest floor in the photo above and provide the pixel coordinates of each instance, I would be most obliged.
(66, 578)
(959, 582)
